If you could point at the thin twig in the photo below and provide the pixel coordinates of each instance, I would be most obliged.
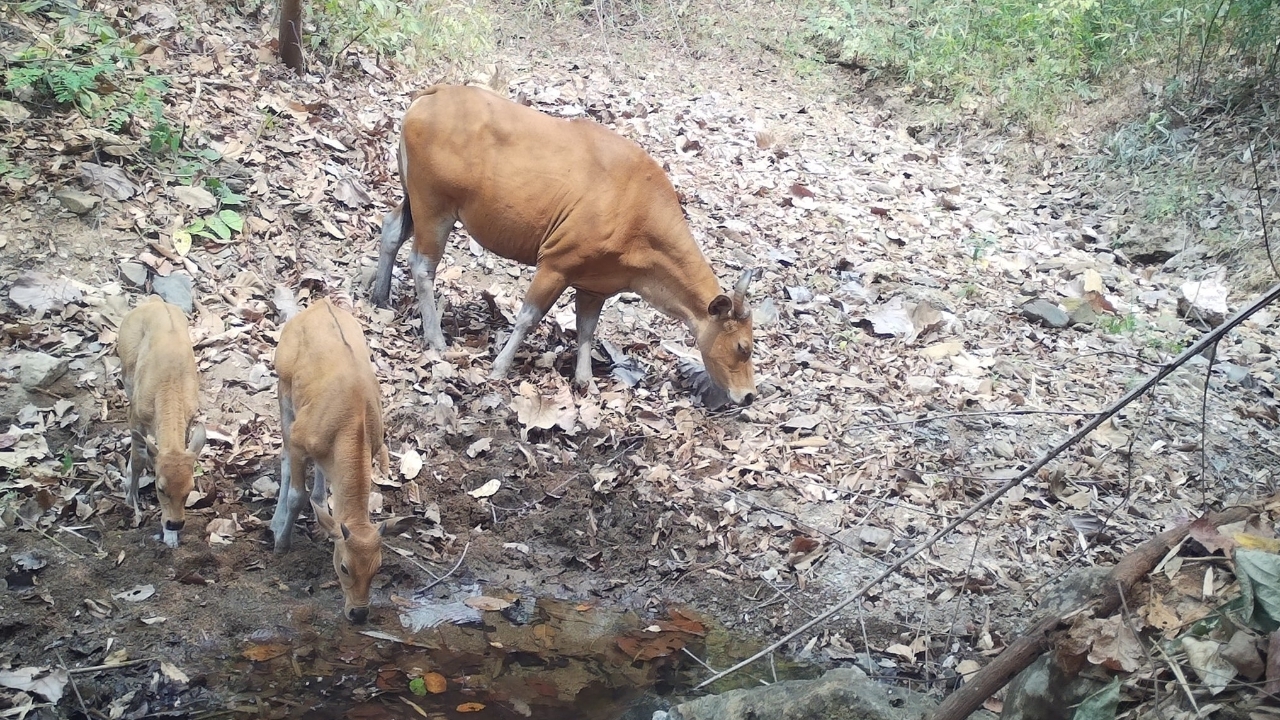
(50, 538)
(1117, 353)
(419, 565)
(23, 710)
(1128, 621)
(949, 416)
(452, 570)
(1198, 347)
(1182, 679)
(697, 659)
(74, 688)
(112, 666)
(1262, 210)
(1204, 428)
(344, 47)
(787, 598)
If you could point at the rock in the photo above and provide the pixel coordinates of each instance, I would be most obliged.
(1045, 313)
(1191, 257)
(1144, 248)
(176, 289)
(13, 112)
(922, 384)
(1242, 653)
(76, 201)
(1080, 312)
(1204, 301)
(800, 294)
(38, 370)
(876, 538)
(135, 273)
(1236, 374)
(841, 694)
(883, 189)
(1046, 692)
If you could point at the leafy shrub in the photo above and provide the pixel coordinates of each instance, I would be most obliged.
(415, 30)
(1027, 56)
(84, 63)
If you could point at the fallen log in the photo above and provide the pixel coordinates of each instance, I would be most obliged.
(1024, 651)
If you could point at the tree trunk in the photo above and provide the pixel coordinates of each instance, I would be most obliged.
(291, 34)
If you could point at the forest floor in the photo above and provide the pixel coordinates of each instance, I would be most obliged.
(899, 380)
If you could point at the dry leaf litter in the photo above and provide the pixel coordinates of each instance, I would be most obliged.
(900, 282)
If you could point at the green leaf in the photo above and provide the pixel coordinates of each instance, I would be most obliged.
(1259, 575)
(232, 219)
(418, 686)
(215, 224)
(1102, 704)
(198, 227)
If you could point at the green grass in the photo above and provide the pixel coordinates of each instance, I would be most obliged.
(1118, 325)
(415, 31)
(1027, 59)
(1142, 334)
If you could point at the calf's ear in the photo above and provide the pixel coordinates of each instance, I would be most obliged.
(326, 522)
(196, 444)
(393, 525)
(721, 307)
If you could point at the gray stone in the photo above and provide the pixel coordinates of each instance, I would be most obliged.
(38, 370)
(135, 273)
(176, 289)
(1236, 374)
(1242, 653)
(1045, 313)
(1082, 313)
(1191, 257)
(1203, 301)
(883, 189)
(841, 694)
(1045, 692)
(76, 201)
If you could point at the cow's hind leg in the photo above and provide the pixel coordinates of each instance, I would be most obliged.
(396, 228)
(291, 481)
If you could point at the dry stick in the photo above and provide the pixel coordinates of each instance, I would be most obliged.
(452, 570)
(949, 416)
(74, 689)
(112, 666)
(1134, 566)
(49, 537)
(1209, 339)
(1181, 677)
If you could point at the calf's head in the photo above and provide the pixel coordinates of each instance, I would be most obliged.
(174, 482)
(357, 556)
(725, 343)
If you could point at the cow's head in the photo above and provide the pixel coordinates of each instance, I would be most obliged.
(174, 482)
(726, 345)
(357, 557)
